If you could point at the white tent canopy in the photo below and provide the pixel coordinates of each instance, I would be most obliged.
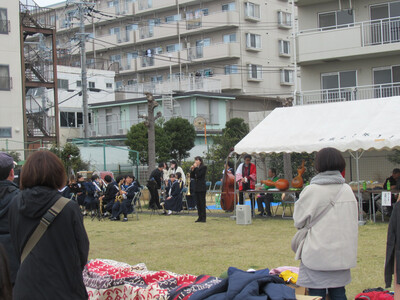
(346, 126)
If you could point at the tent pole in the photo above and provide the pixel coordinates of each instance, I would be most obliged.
(233, 217)
(360, 211)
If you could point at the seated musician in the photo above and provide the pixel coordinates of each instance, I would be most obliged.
(173, 201)
(92, 188)
(123, 205)
(268, 197)
(107, 200)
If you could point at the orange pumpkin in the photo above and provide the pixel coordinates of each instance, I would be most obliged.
(282, 184)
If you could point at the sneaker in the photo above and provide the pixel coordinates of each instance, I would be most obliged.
(169, 212)
(114, 219)
(125, 220)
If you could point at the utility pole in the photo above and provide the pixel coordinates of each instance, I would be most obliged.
(150, 120)
(82, 6)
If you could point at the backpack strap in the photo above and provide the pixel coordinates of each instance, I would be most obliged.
(44, 223)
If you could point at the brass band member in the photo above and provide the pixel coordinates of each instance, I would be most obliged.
(125, 207)
(198, 172)
(154, 184)
(108, 198)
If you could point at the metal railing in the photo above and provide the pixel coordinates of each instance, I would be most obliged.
(33, 15)
(349, 94)
(184, 84)
(374, 32)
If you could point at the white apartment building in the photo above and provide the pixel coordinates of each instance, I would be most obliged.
(100, 89)
(348, 50)
(11, 112)
(241, 47)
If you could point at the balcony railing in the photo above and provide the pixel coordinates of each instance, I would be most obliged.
(374, 32)
(184, 84)
(33, 15)
(349, 94)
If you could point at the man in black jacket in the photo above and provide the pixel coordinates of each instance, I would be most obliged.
(154, 184)
(8, 190)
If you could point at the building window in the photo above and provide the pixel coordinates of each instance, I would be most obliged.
(229, 38)
(253, 41)
(336, 19)
(174, 18)
(284, 47)
(173, 48)
(92, 84)
(67, 119)
(78, 83)
(3, 21)
(338, 86)
(5, 79)
(156, 78)
(255, 71)
(119, 84)
(109, 85)
(63, 84)
(228, 6)
(284, 19)
(5, 132)
(286, 76)
(231, 69)
(252, 10)
(387, 81)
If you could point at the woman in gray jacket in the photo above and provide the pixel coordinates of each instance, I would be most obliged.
(330, 247)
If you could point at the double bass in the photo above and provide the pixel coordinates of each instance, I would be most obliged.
(228, 188)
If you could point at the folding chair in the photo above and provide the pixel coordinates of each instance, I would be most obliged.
(288, 200)
(135, 199)
(215, 190)
(184, 200)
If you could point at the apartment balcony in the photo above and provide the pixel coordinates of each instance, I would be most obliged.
(105, 42)
(364, 39)
(212, 22)
(230, 81)
(143, 7)
(160, 61)
(183, 84)
(214, 52)
(349, 94)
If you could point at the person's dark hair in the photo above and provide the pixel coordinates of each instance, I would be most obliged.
(273, 171)
(43, 168)
(79, 176)
(171, 175)
(4, 172)
(178, 175)
(396, 171)
(230, 164)
(173, 162)
(130, 176)
(329, 159)
(247, 156)
(119, 178)
(5, 283)
(107, 178)
(200, 159)
(161, 165)
(94, 177)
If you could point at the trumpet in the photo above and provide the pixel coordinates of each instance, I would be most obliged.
(119, 197)
(188, 184)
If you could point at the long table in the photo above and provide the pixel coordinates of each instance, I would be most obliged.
(374, 195)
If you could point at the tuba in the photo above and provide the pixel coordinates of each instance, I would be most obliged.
(188, 184)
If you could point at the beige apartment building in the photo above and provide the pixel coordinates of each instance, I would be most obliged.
(11, 112)
(348, 50)
(239, 47)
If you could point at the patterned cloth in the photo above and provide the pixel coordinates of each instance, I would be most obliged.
(111, 280)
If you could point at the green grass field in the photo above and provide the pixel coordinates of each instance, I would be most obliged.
(176, 243)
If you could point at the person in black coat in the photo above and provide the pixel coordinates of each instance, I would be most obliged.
(154, 184)
(198, 173)
(8, 190)
(53, 269)
(392, 263)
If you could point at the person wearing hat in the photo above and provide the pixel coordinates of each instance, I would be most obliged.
(8, 190)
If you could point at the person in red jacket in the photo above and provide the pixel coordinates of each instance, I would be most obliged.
(246, 176)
